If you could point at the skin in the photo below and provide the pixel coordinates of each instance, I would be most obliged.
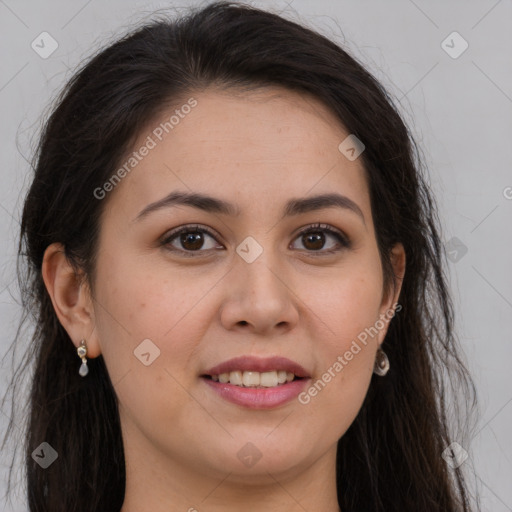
(181, 440)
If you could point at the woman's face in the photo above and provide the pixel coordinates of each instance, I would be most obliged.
(169, 309)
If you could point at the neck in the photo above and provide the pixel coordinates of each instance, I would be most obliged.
(181, 488)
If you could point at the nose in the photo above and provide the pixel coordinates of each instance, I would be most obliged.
(259, 298)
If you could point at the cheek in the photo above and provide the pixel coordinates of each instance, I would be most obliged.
(140, 310)
(146, 295)
(149, 327)
(346, 302)
(347, 309)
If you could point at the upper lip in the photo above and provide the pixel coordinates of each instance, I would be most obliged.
(257, 364)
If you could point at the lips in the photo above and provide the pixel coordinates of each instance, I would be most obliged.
(257, 383)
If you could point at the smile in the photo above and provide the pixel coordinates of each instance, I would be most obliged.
(250, 379)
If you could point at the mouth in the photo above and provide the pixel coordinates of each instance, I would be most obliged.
(257, 383)
(253, 379)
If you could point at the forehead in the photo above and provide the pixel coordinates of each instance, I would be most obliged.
(257, 148)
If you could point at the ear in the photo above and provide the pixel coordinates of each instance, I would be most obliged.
(390, 297)
(71, 298)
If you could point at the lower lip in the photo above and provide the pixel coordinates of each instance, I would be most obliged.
(258, 398)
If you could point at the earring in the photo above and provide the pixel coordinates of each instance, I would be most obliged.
(381, 366)
(82, 352)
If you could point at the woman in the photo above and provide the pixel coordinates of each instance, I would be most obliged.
(237, 278)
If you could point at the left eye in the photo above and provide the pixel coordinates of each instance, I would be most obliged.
(313, 238)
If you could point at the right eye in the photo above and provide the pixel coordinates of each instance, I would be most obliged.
(191, 238)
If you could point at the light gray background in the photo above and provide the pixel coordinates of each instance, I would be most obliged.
(460, 111)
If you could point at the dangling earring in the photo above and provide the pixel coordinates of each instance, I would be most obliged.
(381, 366)
(82, 352)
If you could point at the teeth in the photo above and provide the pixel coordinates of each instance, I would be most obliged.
(235, 378)
(269, 379)
(255, 379)
(249, 379)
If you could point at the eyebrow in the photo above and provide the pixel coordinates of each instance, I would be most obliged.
(213, 205)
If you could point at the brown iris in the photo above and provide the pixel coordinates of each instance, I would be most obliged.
(317, 240)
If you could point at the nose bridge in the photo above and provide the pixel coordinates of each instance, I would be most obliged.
(260, 278)
(258, 294)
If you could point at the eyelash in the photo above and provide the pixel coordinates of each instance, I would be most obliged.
(313, 228)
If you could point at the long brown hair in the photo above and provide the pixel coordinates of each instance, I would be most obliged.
(391, 456)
